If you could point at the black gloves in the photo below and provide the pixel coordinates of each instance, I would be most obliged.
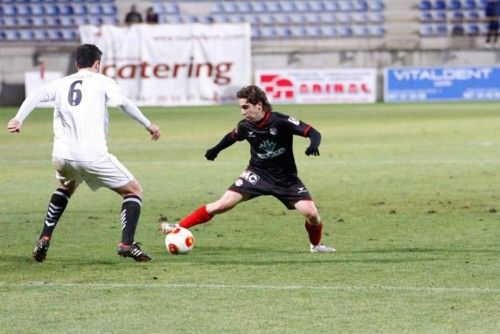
(312, 151)
(211, 154)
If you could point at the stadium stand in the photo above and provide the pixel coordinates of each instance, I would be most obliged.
(57, 20)
(455, 17)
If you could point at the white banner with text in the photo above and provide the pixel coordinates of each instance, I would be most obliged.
(175, 64)
(354, 85)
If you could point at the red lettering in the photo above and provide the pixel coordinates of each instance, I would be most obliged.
(161, 71)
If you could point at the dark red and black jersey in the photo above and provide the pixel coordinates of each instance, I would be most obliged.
(271, 144)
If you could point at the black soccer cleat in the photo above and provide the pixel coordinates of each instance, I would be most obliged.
(133, 251)
(40, 251)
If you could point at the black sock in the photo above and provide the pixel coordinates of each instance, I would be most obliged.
(57, 204)
(131, 210)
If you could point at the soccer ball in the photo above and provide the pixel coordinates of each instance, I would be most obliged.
(179, 241)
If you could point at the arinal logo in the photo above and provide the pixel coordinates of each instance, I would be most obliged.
(277, 87)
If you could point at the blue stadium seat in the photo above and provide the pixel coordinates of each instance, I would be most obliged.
(455, 5)
(312, 18)
(287, 6)
(441, 29)
(283, 32)
(330, 18)
(331, 6)
(281, 18)
(25, 21)
(298, 31)
(376, 17)
(39, 21)
(109, 9)
(426, 30)
(316, 6)
(40, 35)
(217, 7)
(267, 32)
(79, 9)
(273, 6)
(426, 16)
(439, 4)
(297, 18)
(66, 9)
(266, 19)
(376, 5)
(259, 7)
(252, 19)
(457, 17)
(254, 32)
(377, 31)
(470, 4)
(344, 31)
(12, 35)
(359, 17)
(440, 17)
(313, 31)
(230, 7)
(328, 31)
(360, 5)
(55, 34)
(23, 9)
(302, 6)
(360, 31)
(472, 16)
(472, 30)
(67, 20)
(9, 9)
(69, 34)
(345, 5)
(51, 9)
(344, 18)
(425, 5)
(457, 30)
(244, 7)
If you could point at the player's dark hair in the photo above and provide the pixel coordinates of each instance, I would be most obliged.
(254, 95)
(86, 55)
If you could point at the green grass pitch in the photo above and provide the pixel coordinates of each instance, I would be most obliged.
(408, 194)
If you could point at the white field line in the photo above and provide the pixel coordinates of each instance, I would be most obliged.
(246, 287)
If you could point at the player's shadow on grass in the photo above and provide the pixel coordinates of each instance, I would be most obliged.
(66, 262)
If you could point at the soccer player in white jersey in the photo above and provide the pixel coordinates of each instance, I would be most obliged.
(80, 151)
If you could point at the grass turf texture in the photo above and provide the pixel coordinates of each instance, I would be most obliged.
(408, 195)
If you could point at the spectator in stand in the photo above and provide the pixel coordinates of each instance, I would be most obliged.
(133, 16)
(151, 16)
(492, 11)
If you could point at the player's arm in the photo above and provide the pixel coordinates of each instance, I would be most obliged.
(226, 141)
(115, 96)
(315, 138)
(44, 94)
(129, 108)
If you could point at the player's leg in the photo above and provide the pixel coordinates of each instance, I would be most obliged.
(68, 182)
(313, 225)
(109, 172)
(205, 212)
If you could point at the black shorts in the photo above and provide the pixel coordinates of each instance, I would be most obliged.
(252, 185)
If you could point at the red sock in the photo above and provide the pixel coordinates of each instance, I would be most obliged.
(198, 216)
(314, 232)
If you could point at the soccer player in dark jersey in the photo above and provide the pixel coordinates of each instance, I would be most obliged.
(272, 169)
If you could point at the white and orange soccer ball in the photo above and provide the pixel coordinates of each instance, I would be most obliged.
(179, 241)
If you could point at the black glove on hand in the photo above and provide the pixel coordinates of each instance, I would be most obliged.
(312, 151)
(211, 154)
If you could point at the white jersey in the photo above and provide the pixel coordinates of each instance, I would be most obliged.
(80, 113)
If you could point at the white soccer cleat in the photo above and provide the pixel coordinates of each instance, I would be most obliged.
(320, 248)
(166, 228)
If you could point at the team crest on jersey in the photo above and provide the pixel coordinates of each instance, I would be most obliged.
(293, 120)
(268, 147)
(273, 131)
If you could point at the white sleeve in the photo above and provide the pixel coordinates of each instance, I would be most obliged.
(44, 94)
(131, 109)
(115, 96)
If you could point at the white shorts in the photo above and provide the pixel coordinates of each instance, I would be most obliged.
(106, 172)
